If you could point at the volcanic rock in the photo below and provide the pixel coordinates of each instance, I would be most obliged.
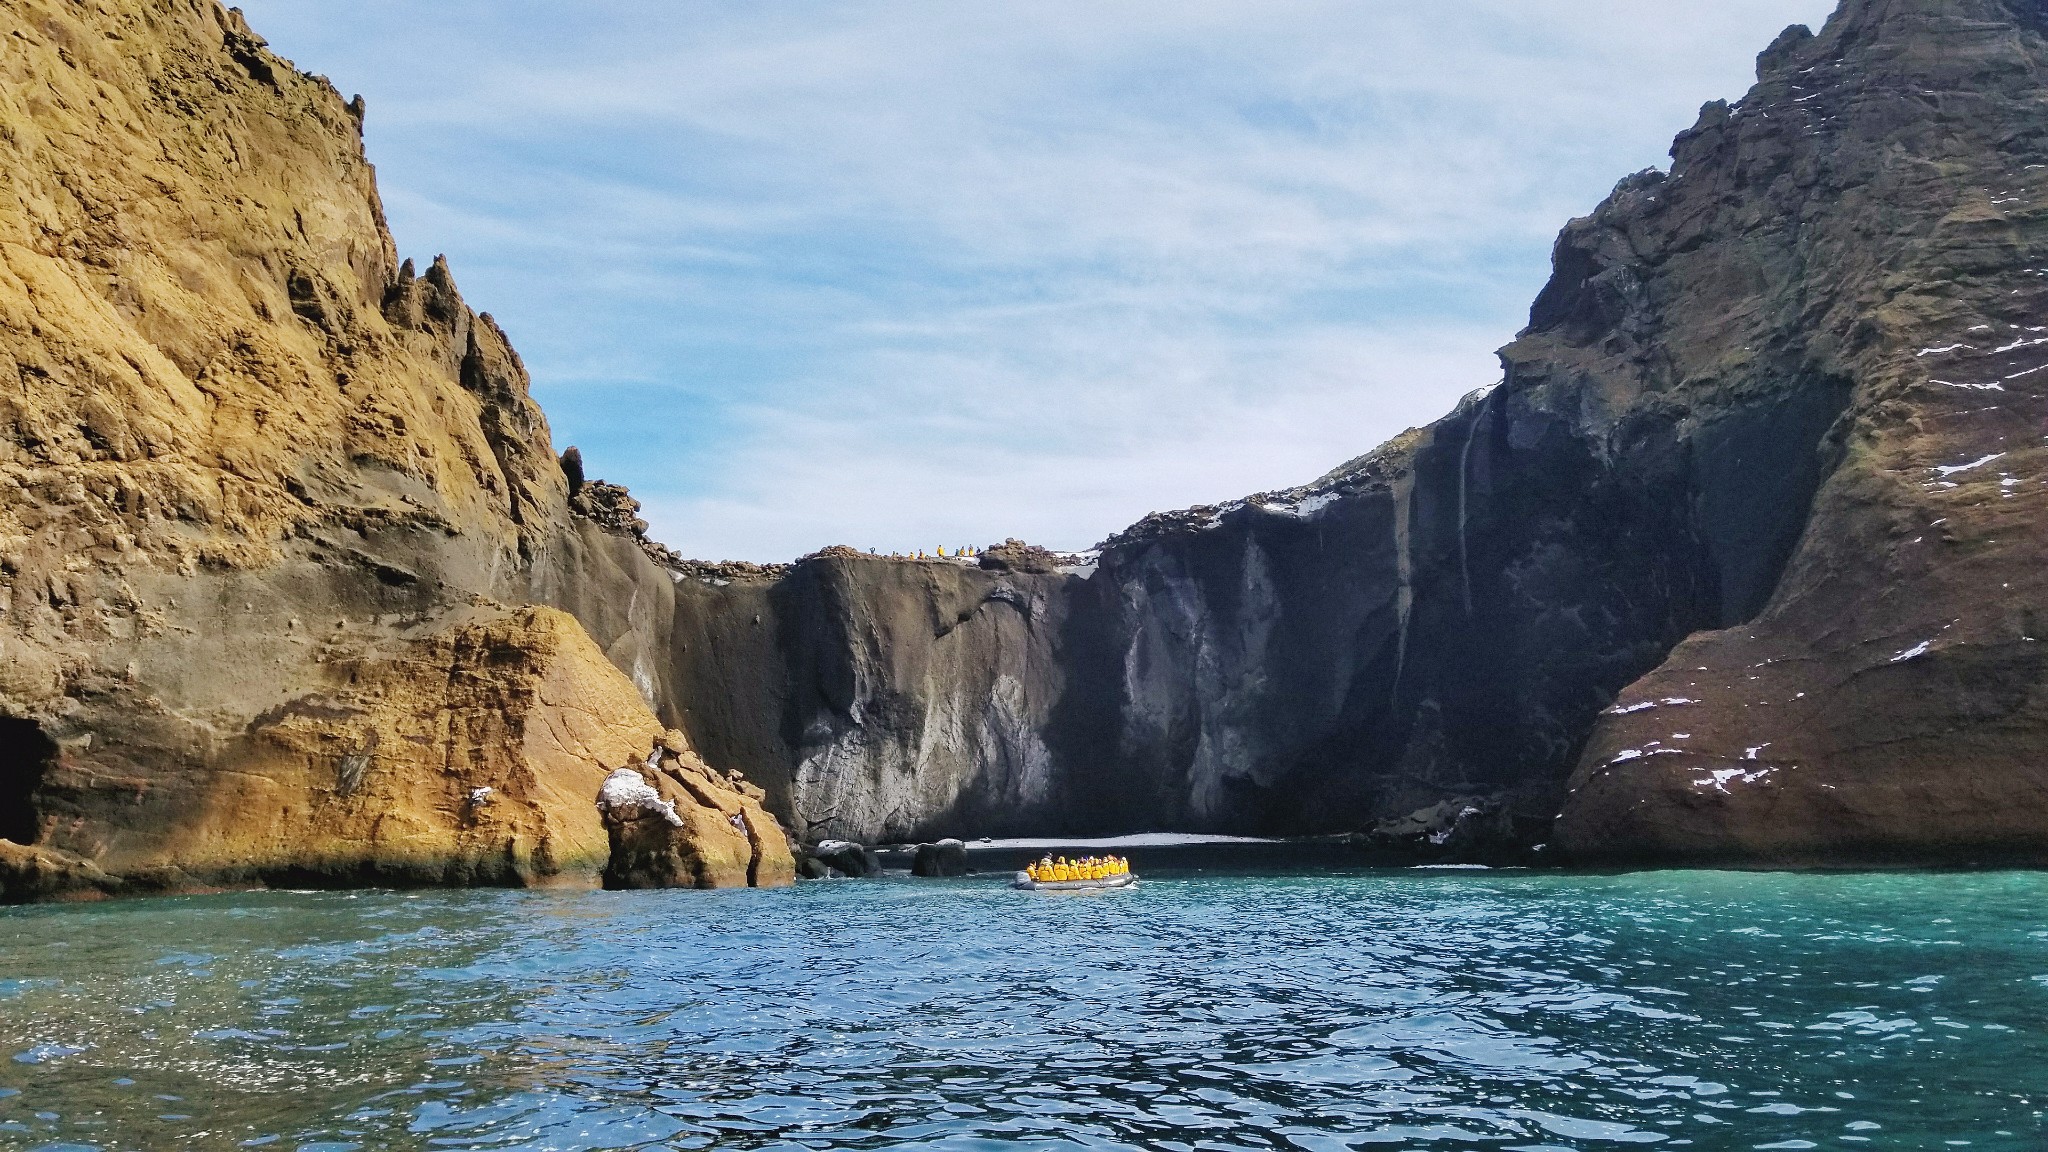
(1739, 561)
(1770, 447)
(271, 499)
(848, 858)
(945, 858)
(674, 823)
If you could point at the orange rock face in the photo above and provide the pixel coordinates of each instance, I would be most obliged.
(269, 501)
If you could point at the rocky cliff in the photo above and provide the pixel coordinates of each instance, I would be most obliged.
(268, 500)
(1739, 560)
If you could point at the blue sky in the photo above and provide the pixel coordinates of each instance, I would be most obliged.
(904, 273)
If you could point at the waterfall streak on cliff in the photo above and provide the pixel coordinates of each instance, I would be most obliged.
(1404, 565)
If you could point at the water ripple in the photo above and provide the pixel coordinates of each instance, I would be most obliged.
(1412, 1010)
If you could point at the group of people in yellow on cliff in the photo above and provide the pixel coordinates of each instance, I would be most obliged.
(1051, 871)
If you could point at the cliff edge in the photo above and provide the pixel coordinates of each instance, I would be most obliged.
(1737, 562)
(270, 499)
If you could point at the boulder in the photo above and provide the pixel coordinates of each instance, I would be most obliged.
(1466, 830)
(675, 823)
(849, 858)
(945, 858)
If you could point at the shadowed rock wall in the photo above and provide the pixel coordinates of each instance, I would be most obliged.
(1738, 562)
(1765, 467)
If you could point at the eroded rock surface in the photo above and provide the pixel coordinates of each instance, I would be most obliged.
(267, 497)
(1771, 446)
(1738, 562)
(675, 823)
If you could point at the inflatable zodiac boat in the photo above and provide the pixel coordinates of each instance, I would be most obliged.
(1026, 883)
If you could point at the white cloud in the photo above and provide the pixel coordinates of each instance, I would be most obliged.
(897, 274)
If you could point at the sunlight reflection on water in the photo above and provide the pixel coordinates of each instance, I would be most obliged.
(1446, 1010)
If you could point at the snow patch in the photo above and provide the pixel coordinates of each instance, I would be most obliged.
(1953, 469)
(1303, 509)
(627, 791)
(2019, 344)
(1942, 350)
(1913, 653)
(1720, 778)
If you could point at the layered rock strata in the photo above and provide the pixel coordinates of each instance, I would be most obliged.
(1738, 561)
(268, 499)
(675, 823)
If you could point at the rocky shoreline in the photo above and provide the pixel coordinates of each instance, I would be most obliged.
(1739, 563)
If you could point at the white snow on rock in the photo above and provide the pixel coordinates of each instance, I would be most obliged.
(1620, 710)
(1913, 653)
(1303, 509)
(627, 791)
(1943, 350)
(1720, 778)
(1952, 469)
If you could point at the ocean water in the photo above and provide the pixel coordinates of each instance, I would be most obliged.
(1416, 1009)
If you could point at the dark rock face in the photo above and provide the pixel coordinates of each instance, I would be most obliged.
(1882, 191)
(945, 858)
(848, 858)
(1740, 561)
(881, 700)
(1769, 451)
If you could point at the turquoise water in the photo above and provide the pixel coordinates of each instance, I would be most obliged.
(1442, 1010)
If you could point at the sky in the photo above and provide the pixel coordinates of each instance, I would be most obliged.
(902, 274)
